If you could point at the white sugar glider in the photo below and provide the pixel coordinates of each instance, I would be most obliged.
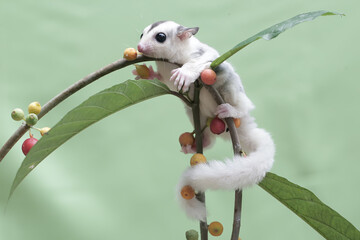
(176, 43)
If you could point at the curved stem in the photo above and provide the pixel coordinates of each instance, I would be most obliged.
(68, 92)
(237, 151)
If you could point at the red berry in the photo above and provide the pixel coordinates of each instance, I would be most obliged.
(28, 144)
(217, 126)
(208, 76)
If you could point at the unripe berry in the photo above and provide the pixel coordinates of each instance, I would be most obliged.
(31, 119)
(208, 76)
(186, 138)
(17, 114)
(130, 54)
(217, 126)
(187, 192)
(192, 235)
(28, 144)
(44, 130)
(215, 229)
(34, 107)
(197, 158)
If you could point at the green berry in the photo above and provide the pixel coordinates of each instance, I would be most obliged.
(192, 235)
(17, 114)
(31, 119)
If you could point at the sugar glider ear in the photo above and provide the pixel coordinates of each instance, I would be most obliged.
(185, 33)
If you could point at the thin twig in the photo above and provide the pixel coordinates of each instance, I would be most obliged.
(68, 92)
(199, 149)
(237, 151)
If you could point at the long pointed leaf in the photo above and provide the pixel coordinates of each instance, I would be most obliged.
(330, 224)
(91, 111)
(272, 32)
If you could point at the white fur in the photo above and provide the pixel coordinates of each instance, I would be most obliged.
(237, 173)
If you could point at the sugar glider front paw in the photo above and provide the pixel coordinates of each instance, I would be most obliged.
(182, 78)
(144, 72)
(226, 110)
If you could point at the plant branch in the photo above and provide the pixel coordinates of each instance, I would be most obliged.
(71, 90)
(237, 151)
(199, 149)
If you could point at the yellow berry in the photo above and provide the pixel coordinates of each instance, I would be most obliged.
(130, 54)
(237, 122)
(44, 130)
(187, 192)
(215, 229)
(34, 107)
(197, 158)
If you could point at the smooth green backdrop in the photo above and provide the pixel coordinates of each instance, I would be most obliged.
(116, 180)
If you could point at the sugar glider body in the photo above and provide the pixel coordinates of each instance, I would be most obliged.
(171, 41)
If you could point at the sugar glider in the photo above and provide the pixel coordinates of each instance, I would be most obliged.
(177, 44)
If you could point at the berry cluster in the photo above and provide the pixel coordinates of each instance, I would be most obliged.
(31, 119)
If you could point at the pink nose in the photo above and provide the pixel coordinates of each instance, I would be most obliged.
(140, 48)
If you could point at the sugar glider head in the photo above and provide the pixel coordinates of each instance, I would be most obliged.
(165, 39)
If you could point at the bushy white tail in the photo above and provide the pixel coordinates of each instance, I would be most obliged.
(236, 173)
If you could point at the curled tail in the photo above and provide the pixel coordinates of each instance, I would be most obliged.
(231, 174)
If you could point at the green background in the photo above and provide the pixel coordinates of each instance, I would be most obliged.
(117, 179)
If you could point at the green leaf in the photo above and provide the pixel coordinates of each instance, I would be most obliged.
(272, 32)
(330, 224)
(91, 111)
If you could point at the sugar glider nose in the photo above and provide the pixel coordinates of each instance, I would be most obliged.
(140, 48)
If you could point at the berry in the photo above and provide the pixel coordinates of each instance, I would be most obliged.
(17, 114)
(215, 229)
(237, 122)
(142, 71)
(197, 158)
(44, 130)
(28, 144)
(217, 126)
(34, 107)
(208, 76)
(192, 235)
(130, 54)
(186, 138)
(187, 192)
(31, 119)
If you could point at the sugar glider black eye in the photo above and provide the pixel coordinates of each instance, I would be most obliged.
(160, 37)
(141, 36)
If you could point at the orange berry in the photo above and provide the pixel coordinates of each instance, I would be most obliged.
(208, 76)
(215, 229)
(237, 122)
(130, 54)
(187, 192)
(186, 138)
(197, 158)
(143, 71)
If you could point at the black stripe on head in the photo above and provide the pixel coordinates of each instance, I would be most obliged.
(154, 25)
